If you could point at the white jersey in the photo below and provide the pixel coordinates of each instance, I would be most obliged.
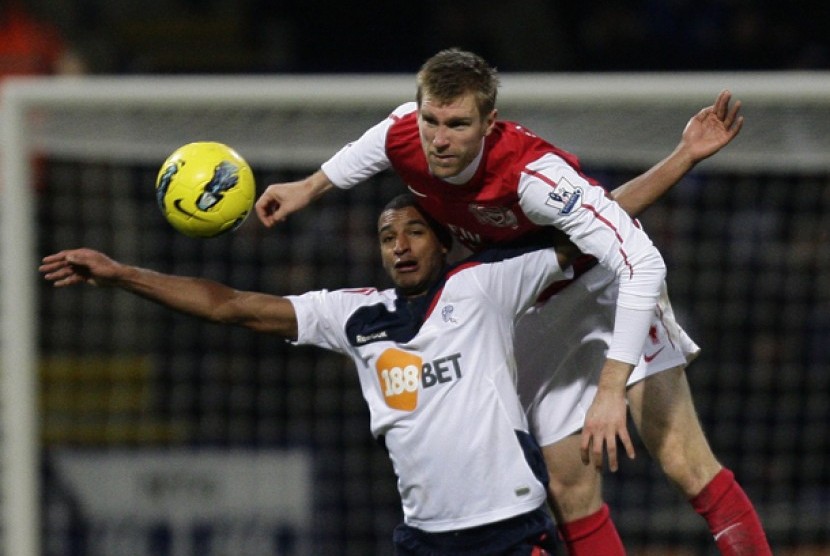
(439, 375)
(518, 187)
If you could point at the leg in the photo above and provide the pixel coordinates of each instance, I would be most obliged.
(575, 488)
(575, 498)
(663, 412)
(558, 362)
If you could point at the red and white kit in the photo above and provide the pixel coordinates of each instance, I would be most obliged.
(521, 186)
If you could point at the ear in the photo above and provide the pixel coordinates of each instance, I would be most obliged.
(490, 121)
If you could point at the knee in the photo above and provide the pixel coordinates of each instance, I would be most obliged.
(575, 492)
(689, 470)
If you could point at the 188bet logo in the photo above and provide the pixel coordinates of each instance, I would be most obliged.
(402, 375)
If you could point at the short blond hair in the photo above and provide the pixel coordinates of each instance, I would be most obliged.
(452, 73)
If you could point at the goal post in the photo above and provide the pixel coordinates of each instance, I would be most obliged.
(18, 380)
(619, 123)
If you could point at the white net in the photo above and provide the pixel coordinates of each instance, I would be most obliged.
(745, 237)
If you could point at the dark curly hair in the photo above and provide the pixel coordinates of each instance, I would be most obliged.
(405, 200)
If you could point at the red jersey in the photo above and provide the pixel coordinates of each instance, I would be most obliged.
(485, 210)
(519, 186)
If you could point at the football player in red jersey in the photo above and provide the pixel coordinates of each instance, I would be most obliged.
(492, 182)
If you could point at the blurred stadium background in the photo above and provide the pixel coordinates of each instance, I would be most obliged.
(128, 430)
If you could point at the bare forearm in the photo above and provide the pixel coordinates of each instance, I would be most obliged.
(707, 132)
(194, 296)
(636, 195)
(213, 301)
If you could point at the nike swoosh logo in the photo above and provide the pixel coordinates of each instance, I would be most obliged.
(649, 358)
(722, 533)
(178, 205)
(418, 193)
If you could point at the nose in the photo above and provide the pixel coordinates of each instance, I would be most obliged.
(401, 244)
(440, 139)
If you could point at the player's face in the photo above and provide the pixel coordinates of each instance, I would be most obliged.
(411, 253)
(452, 133)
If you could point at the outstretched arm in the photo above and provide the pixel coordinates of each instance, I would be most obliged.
(280, 200)
(706, 133)
(201, 298)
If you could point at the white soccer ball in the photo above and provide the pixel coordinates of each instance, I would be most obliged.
(205, 189)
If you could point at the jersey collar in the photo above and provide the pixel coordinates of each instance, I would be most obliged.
(467, 173)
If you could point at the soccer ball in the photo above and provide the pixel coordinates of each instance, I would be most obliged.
(205, 189)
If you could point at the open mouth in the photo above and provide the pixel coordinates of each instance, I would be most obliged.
(406, 266)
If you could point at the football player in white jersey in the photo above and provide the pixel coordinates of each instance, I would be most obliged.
(495, 182)
(435, 360)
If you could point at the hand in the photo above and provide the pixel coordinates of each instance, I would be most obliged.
(712, 128)
(280, 200)
(606, 418)
(78, 266)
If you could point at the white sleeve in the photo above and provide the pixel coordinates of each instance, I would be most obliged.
(515, 283)
(362, 159)
(319, 319)
(552, 193)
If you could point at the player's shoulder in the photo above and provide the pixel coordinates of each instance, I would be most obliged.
(528, 148)
(402, 132)
(407, 109)
(347, 297)
(361, 296)
(536, 247)
(514, 142)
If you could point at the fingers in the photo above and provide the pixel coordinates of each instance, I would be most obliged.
(264, 212)
(54, 257)
(592, 451)
(611, 449)
(54, 262)
(733, 120)
(627, 443)
(736, 127)
(729, 115)
(62, 268)
(60, 275)
(269, 212)
(721, 105)
(585, 446)
(593, 448)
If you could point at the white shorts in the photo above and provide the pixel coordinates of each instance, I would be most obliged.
(561, 347)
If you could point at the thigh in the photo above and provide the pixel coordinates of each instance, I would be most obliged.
(575, 488)
(663, 411)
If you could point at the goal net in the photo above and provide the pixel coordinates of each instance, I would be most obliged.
(127, 429)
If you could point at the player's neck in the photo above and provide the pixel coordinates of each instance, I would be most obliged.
(467, 173)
